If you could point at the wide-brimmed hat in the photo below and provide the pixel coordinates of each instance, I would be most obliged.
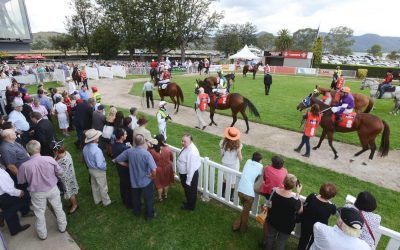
(92, 134)
(141, 121)
(232, 133)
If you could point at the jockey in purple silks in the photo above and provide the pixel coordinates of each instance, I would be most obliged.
(345, 105)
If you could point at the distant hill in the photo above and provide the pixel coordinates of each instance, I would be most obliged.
(41, 40)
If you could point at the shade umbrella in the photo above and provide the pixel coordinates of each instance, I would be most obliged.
(22, 57)
(38, 57)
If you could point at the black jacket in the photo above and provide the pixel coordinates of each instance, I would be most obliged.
(83, 113)
(44, 133)
(267, 79)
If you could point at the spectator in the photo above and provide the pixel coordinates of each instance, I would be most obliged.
(141, 130)
(61, 111)
(366, 204)
(163, 157)
(68, 102)
(231, 153)
(68, 178)
(188, 163)
(123, 171)
(96, 164)
(344, 235)
(108, 130)
(281, 216)
(54, 94)
(71, 86)
(27, 107)
(40, 172)
(98, 119)
(148, 90)
(129, 131)
(133, 113)
(142, 170)
(273, 175)
(119, 120)
(37, 107)
(13, 200)
(317, 208)
(83, 119)
(18, 120)
(83, 93)
(43, 132)
(251, 170)
(44, 100)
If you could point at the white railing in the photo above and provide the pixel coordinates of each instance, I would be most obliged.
(138, 70)
(211, 178)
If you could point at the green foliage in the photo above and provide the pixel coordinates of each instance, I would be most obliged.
(303, 39)
(373, 71)
(317, 52)
(62, 43)
(266, 41)
(393, 55)
(375, 50)
(362, 73)
(284, 40)
(339, 40)
(106, 42)
(40, 45)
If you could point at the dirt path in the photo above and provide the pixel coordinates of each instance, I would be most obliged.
(381, 171)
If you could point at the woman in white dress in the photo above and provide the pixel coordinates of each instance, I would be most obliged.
(62, 115)
(231, 153)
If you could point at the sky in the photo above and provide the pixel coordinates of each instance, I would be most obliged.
(363, 16)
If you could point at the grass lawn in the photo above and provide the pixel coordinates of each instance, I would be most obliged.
(33, 87)
(209, 227)
(136, 76)
(279, 108)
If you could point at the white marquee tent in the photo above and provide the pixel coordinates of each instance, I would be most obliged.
(244, 53)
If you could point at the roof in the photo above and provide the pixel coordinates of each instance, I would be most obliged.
(244, 53)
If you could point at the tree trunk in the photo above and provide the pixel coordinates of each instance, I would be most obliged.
(159, 54)
(183, 50)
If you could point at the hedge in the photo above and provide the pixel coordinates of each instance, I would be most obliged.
(373, 71)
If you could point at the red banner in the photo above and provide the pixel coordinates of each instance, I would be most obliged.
(295, 54)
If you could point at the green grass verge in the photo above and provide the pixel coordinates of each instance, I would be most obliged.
(279, 108)
(32, 89)
(136, 76)
(209, 227)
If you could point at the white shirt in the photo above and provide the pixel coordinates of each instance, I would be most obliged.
(333, 238)
(189, 162)
(61, 108)
(148, 86)
(134, 122)
(18, 120)
(71, 87)
(7, 184)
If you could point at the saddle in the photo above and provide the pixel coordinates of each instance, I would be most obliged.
(219, 99)
(346, 121)
(391, 89)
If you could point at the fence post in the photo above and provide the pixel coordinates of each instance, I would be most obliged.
(205, 179)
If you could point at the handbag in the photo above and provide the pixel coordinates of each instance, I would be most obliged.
(261, 217)
(368, 227)
(107, 131)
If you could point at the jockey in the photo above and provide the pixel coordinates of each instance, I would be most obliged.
(153, 64)
(387, 83)
(223, 82)
(345, 105)
(165, 77)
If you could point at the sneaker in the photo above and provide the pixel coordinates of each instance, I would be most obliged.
(297, 150)
(306, 155)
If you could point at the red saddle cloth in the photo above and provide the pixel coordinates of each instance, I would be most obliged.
(347, 120)
(221, 99)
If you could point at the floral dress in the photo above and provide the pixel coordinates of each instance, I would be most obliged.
(68, 178)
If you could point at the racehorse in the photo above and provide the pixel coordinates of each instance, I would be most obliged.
(76, 77)
(153, 73)
(173, 91)
(253, 70)
(373, 86)
(234, 101)
(361, 101)
(367, 126)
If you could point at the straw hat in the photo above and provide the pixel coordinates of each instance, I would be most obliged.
(232, 133)
(92, 134)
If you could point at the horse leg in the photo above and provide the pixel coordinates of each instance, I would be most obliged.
(254, 75)
(330, 140)
(372, 146)
(320, 140)
(212, 111)
(244, 115)
(174, 101)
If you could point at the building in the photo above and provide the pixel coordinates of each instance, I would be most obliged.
(288, 58)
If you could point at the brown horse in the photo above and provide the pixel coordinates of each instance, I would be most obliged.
(234, 101)
(172, 90)
(253, 70)
(367, 126)
(362, 103)
(213, 81)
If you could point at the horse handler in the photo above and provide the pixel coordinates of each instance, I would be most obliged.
(201, 104)
(313, 117)
(267, 82)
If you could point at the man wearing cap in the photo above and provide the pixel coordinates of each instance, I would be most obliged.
(19, 121)
(96, 163)
(98, 119)
(345, 105)
(148, 90)
(142, 170)
(96, 95)
(344, 235)
(202, 101)
(162, 118)
(40, 173)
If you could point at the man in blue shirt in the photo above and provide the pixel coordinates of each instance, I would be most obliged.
(96, 163)
(142, 170)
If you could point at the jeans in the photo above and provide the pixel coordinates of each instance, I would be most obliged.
(148, 200)
(275, 239)
(267, 87)
(383, 88)
(305, 140)
(241, 222)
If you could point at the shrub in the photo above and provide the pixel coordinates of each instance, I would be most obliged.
(362, 73)
(373, 71)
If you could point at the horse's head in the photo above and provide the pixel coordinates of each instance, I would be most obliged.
(305, 103)
(316, 92)
(204, 85)
(369, 83)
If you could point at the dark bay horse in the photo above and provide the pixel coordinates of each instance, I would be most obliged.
(368, 127)
(173, 91)
(153, 73)
(234, 101)
(253, 70)
(362, 103)
(76, 77)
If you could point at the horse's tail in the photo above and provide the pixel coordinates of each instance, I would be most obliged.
(370, 105)
(180, 93)
(384, 147)
(251, 106)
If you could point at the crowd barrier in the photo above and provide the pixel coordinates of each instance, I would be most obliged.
(105, 72)
(118, 70)
(92, 73)
(211, 176)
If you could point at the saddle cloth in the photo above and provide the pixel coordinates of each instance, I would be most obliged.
(164, 86)
(347, 120)
(221, 99)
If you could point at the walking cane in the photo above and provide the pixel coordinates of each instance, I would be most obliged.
(141, 100)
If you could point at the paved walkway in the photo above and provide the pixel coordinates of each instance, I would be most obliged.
(381, 171)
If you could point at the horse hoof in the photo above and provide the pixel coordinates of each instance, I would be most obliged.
(315, 148)
(246, 132)
(176, 112)
(364, 163)
(210, 124)
(351, 160)
(335, 157)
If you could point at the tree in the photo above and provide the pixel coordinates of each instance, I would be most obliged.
(317, 52)
(266, 41)
(375, 50)
(106, 42)
(393, 55)
(247, 33)
(194, 21)
(39, 45)
(83, 23)
(62, 43)
(227, 39)
(303, 39)
(339, 40)
(284, 40)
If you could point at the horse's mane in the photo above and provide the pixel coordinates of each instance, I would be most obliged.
(320, 103)
(204, 84)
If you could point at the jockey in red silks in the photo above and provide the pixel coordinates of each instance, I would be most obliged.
(165, 77)
(387, 83)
